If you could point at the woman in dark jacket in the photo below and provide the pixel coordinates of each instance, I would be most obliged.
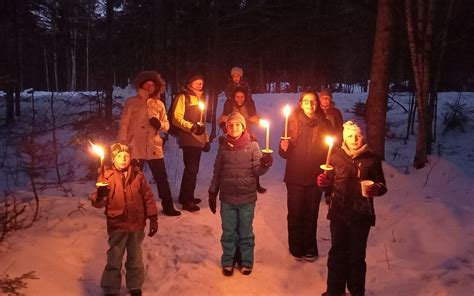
(305, 151)
(351, 212)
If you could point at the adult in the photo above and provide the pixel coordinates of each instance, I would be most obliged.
(237, 80)
(351, 214)
(143, 117)
(333, 114)
(192, 138)
(240, 103)
(304, 153)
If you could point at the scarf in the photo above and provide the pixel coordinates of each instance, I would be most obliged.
(237, 143)
(354, 153)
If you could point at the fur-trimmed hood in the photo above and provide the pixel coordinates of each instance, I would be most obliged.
(154, 76)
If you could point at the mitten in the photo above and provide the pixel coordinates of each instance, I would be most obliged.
(266, 160)
(206, 147)
(102, 192)
(223, 127)
(198, 129)
(212, 201)
(376, 189)
(153, 225)
(154, 122)
(323, 181)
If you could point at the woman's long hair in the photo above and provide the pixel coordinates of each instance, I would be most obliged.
(293, 120)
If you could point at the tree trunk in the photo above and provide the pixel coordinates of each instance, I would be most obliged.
(376, 108)
(419, 17)
(46, 70)
(109, 71)
(73, 49)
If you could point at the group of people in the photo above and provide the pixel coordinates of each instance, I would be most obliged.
(128, 199)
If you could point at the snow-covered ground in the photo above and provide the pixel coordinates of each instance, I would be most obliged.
(423, 243)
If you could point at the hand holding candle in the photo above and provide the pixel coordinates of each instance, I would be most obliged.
(266, 124)
(327, 167)
(286, 112)
(201, 107)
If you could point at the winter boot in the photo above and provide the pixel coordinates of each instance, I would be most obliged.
(228, 270)
(190, 206)
(136, 292)
(246, 270)
(197, 200)
(170, 211)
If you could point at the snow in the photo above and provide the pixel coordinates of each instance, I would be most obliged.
(423, 243)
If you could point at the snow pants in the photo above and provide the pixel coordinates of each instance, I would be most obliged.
(191, 159)
(303, 207)
(158, 170)
(237, 231)
(346, 261)
(135, 272)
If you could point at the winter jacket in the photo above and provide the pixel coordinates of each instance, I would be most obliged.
(235, 173)
(129, 201)
(184, 116)
(136, 130)
(231, 86)
(347, 201)
(307, 149)
(335, 117)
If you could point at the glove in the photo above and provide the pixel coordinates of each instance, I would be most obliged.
(284, 144)
(266, 160)
(223, 127)
(375, 190)
(323, 181)
(153, 225)
(206, 147)
(102, 192)
(212, 201)
(198, 129)
(154, 122)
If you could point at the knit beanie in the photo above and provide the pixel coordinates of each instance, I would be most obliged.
(237, 70)
(351, 128)
(118, 147)
(236, 117)
(194, 77)
(325, 92)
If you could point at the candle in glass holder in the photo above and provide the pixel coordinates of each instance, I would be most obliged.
(286, 112)
(201, 107)
(266, 124)
(330, 141)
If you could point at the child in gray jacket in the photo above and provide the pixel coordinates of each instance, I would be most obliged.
(238, 162)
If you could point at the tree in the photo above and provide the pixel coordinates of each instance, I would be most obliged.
(376, 107)
(419, 16)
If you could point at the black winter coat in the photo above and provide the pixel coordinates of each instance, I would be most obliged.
(307, 150)
(347, 202)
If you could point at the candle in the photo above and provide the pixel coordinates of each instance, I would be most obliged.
(201, 106)
(100, 152)
(266, 124)
(286, 112)
(330, 141)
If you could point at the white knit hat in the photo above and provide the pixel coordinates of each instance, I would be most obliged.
(237, 70)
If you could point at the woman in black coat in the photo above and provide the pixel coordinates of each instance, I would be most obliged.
(304, 152)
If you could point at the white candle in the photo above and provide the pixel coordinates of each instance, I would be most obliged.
(201, 106)
(330, 141)
(100, 152)
(286, 112)
(266, 124)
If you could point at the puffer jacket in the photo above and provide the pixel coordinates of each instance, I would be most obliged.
(347, 201)
(307, 150)
(136, 130)
(184, 116)
(129, 201)
(235, 173)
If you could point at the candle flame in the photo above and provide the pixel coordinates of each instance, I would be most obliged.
(329, 140)
(201, 106)
(264, 123)
(286, 110)
(98, 150)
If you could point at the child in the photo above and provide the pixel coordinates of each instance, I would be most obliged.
(128, 202)
(351, 214)
(238, 163)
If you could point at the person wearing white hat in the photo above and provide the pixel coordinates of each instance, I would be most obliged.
(237, 80)
(351, 212)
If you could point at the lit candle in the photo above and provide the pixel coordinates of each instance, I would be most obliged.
(286, 112)
(100, 152)
(201, 106)
(330, 141)
(266, 124)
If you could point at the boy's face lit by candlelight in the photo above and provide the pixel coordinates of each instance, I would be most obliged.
(122, 160)
(354, 141)
(234, 129)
